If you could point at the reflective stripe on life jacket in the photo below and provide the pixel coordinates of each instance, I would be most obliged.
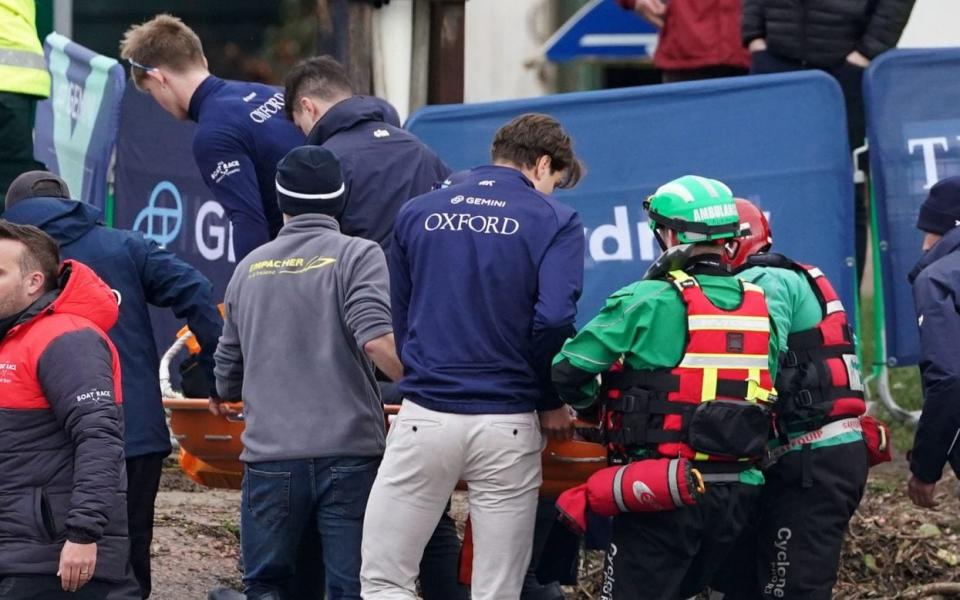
(726, 358)
(820, 376)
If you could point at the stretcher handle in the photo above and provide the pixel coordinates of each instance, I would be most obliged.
(563, 458)
(560, 458)
(181, 403)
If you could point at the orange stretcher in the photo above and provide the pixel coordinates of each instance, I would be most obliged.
(210, 444)
(210, 449)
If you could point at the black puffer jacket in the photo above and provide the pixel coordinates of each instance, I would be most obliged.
(821, 33)
(62, 471)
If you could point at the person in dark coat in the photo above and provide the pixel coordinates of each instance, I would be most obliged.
(936, 294)
(241, 130)
(141, 274)
(839, 37)
(824, 34)
(63, 518)
(383, 165)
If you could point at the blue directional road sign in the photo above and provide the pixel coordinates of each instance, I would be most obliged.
(601, 29)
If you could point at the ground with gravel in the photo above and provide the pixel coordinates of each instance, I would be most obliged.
(894, 550)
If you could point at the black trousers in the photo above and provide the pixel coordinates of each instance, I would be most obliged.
(793, 550)
(440, 565)
(676, 554)
(552, 552)
(48, 587)
(439, 568)
(713, 72)
(143, 482)
(850, 78)
(17, 113)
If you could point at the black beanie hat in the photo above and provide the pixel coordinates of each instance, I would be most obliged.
(309, 181)
(940, 212)
(36, 184)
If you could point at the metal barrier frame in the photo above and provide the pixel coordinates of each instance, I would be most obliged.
(880, 369)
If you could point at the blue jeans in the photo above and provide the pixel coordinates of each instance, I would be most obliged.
(280, 499)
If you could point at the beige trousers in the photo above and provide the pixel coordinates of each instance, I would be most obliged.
(498, 456)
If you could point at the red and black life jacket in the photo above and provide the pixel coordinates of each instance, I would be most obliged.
(712, 405)
(819, 377)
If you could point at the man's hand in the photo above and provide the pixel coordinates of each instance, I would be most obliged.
(219, 407)
(757, 45)
(855, 58)
(557, 423)
(77, 562)
(922, 493)
(653, 11)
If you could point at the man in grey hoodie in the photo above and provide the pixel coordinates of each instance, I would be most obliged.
(307, 318)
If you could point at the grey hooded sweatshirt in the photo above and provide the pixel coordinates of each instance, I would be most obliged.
(299, 310)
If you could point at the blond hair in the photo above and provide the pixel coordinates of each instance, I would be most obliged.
(163, 41)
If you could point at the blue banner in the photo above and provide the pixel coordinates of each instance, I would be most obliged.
(160, 192)
(913, 124)
(76, 128)
(779, 140)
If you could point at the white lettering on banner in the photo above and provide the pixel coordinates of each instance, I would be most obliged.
(76, 100)
(619, 232)
(614, 242)
(475, 223)
(221, 233)
(928, 146)
(272, 106)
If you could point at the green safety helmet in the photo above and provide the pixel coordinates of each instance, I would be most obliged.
(697, 208)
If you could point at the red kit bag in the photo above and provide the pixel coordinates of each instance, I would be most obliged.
(651, 485)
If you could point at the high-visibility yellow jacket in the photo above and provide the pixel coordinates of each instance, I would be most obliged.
(22, 68)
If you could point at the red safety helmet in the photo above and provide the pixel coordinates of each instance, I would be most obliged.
(755, 235)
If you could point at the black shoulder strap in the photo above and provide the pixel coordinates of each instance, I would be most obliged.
(771, 259)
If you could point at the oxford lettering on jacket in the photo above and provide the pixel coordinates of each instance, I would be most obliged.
(272, 106)
(468, 222)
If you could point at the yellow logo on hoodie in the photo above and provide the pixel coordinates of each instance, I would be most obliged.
(289, 266)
